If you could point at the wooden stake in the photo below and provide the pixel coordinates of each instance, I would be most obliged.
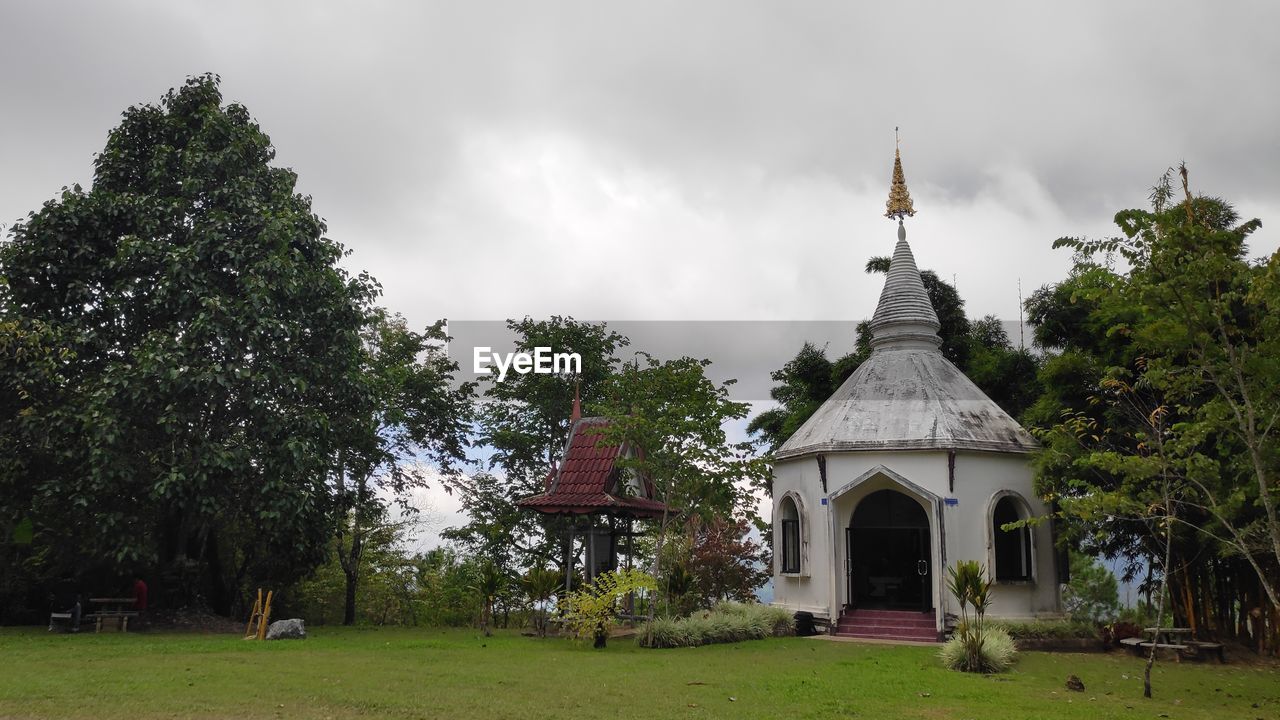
(250, 631)
(266, 613)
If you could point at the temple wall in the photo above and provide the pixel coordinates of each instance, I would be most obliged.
(959, 512)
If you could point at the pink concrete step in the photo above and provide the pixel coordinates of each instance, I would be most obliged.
(920, 638)
(882, 631)
(872, 612)
(885, 618)
(888, 625)
(895, 622)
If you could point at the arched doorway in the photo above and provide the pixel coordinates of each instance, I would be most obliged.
(887, 553)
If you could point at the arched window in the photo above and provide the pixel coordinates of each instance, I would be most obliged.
(790, 535)
(1013, 554)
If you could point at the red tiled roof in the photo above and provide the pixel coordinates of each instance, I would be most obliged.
(585, 476)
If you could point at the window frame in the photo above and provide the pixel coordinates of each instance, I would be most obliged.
(1024, 537)
(790, 529)
(790, 547)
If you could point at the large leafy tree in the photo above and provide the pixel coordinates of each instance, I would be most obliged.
(207, 339)
(802, 385)
(526, 418)
(1007, 374)
(29, 383)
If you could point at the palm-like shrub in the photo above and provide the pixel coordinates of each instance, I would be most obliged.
(540, 584)
(489, 583)
(975, 647)
(680, 585)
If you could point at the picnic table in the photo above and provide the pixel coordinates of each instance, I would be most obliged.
(117, 609)
(1179, 640)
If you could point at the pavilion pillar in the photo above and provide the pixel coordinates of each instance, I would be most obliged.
(568, 557)
(631, 596)
(591, 551)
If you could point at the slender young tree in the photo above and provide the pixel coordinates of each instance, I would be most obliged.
(410, 423)
(675, 417)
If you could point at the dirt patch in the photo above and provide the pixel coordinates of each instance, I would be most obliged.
(186, 620)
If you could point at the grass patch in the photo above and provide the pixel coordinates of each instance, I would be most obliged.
(425, 673)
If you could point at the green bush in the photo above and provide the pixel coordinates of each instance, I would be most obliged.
(589, 610)
(995, 651)
(725, 623)
(1093, 594)
(1048, 629)
(1143, 615)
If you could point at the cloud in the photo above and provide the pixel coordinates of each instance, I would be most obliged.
(664, 160)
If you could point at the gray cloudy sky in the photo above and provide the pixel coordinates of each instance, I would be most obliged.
(651, 160)
(678, 160)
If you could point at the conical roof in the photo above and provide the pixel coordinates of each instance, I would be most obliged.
(908, 399)
(904, 314)
(906, 395)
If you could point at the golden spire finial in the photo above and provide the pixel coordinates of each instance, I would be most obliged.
(899, 203)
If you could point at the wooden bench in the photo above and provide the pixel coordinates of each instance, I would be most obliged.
(60, 619)
(1204, 648)
(1140, 646)
(112, 608)
(120, 616)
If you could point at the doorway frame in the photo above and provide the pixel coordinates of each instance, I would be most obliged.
(881, 477)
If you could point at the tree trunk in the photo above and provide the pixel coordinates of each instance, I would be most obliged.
(220, 595)
(657, 567)
(352, 573)
(349, 607)
(1164, 585)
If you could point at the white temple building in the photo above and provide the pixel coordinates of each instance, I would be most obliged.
(906, 469)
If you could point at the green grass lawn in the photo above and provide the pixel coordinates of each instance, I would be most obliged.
(420, 673)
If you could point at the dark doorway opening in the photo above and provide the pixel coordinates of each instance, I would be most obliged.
(887, 554)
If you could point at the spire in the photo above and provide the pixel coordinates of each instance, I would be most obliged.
(576, 415)
(899, 203)
(904, 318)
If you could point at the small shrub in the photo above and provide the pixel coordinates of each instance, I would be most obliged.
(726, 623)
(1115, 632)
(588, 611)
(1142, 615)
(995, 651)
(1048, 629)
